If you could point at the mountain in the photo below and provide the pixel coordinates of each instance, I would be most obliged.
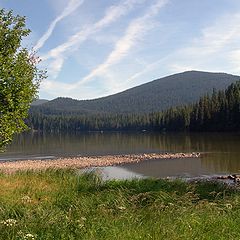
(39, 102)
(158, 95)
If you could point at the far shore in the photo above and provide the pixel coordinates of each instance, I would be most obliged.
(86, 162)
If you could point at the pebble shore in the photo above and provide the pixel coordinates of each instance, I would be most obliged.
(86, 162)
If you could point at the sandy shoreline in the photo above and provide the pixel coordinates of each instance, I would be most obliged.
(85, 162)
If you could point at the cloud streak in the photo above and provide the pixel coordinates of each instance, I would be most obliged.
(215, 47)
(112, 14)
(71, 7)
(136, 29)
(220, 40)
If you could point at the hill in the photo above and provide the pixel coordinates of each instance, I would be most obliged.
(39, 102)
(178, 89)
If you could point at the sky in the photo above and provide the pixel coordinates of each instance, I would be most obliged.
(95, 48)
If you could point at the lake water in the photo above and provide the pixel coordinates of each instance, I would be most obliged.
(221, 151)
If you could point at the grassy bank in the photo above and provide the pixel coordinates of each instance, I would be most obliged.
(60, 204)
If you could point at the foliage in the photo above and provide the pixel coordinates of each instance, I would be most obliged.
(19, 76)
(61, 204)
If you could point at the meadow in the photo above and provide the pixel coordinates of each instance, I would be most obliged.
(62, 204)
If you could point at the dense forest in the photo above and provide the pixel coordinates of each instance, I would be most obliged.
(219, 111)
(155, 96)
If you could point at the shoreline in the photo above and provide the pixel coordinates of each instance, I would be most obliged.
(86, 162)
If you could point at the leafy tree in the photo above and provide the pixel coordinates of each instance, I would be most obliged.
(19, 76)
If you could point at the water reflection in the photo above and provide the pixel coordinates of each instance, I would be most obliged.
(221, 150)
(114, 172)
(172, 167)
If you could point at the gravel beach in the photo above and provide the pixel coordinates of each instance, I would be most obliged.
(85, 162)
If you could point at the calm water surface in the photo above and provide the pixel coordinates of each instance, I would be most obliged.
(221, 151)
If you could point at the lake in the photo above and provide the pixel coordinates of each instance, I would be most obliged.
(220, 151)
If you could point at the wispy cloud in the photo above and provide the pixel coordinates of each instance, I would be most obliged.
(112, 14)
(71, 7)
(53, 89)
(147, 68)
(135, 31)
(218, 41)
(215, 43)
(215, 47)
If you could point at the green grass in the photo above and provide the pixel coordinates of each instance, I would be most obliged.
(60, 204)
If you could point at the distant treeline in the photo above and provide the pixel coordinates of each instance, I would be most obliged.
(219, 111)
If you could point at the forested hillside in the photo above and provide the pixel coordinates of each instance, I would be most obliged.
(219, 111)
(161, 94)
(39, 102)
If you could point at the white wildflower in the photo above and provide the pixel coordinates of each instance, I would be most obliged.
(26, 199)
(9, 222)
(228, 205)
(29, 236)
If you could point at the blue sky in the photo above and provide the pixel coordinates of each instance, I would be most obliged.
(96, 48)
